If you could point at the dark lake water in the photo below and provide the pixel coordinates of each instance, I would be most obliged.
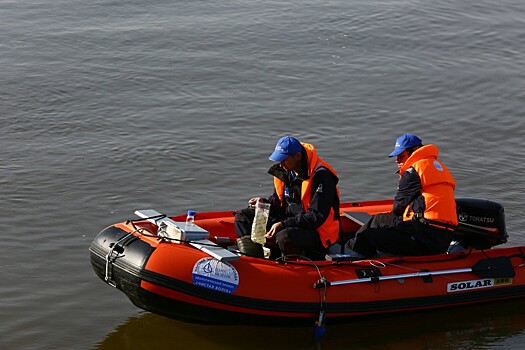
(111, 106)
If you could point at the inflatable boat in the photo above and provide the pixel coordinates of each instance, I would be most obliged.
(194, 272)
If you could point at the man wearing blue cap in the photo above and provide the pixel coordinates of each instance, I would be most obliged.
(304, 214)
(424, 212)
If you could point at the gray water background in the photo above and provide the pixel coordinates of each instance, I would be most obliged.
(111, 106)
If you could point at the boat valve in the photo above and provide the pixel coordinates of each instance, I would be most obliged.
(321, 283)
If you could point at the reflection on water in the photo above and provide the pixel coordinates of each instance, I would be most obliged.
(478, 327)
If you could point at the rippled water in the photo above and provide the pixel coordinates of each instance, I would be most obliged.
(110, 106)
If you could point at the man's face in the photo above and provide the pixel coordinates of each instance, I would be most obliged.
(292, 162)
(401, 159)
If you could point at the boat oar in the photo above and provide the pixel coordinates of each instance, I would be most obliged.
(500, 267)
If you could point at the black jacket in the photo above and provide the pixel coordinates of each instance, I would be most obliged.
(409, 192)
(324, 197)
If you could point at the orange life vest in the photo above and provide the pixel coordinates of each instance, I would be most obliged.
(437, 186)
(329, 230)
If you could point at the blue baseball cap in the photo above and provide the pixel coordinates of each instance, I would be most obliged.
(285, 146)
(403, 142)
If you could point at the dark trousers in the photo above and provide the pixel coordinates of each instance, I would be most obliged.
(406, 238)
(291, 240)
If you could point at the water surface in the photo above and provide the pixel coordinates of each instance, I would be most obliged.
(111, 106)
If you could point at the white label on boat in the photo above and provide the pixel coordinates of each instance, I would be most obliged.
(477, 284)
(468, 285)
(213, 274)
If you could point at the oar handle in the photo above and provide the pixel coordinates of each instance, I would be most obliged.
(391, 277)
(498, 267)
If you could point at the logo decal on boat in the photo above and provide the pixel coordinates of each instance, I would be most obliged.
(478, 284)
(482, 219)
(463, 217)
(212, 274)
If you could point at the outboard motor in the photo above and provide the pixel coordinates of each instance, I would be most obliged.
(481, 223)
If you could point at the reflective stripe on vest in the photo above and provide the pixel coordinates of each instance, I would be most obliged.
(329, 229)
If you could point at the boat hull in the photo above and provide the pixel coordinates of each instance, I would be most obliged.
(168, 279)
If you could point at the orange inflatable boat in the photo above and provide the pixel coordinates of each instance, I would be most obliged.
(196, 273)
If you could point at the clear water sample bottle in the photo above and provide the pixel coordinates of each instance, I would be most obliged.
(262, 211)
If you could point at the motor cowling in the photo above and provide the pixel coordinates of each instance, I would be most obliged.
(481, 223)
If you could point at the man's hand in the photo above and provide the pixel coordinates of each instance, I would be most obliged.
(278, 226)
(251, 202)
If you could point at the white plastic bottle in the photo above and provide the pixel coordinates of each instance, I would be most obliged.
(190, 218)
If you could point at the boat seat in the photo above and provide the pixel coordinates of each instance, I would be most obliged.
(215, 251)
(358, 217)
